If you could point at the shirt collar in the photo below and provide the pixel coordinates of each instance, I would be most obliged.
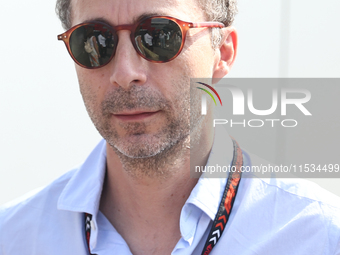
(82, 193)
(207, 194)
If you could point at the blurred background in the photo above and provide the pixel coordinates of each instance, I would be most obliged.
(45, 130)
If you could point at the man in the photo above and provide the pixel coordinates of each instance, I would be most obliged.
(134, 194)
(162, 38)
(148, 40)
(102, 43)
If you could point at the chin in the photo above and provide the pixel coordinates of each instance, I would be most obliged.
(141, 145)
(146, 146)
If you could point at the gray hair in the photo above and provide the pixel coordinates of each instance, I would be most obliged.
(223, 11)
(63, 11)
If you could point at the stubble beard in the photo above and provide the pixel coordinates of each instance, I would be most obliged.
(145, 154)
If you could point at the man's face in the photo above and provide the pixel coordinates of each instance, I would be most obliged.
(143, 108)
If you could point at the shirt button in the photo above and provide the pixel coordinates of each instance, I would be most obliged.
(93, 226)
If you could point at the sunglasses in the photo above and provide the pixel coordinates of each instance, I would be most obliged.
(158, 39)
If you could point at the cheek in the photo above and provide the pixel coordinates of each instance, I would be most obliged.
(90, 87)
(192, 63)
(204, 62)
(198, 59)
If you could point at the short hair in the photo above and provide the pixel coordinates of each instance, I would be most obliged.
(223, 11)
(63, 11)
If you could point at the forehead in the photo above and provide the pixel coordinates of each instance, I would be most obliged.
(119, 12)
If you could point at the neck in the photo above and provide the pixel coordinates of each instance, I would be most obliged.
(141, 203)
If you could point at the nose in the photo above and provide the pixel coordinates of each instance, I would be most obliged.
(127, 67)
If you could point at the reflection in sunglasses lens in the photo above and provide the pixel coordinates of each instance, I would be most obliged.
(92, 45)
(158, 39)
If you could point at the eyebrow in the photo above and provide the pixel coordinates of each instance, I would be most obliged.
(136, 19)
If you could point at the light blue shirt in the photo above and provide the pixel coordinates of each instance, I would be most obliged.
(270, 216)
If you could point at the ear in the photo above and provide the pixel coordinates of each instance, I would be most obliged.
(226, 53)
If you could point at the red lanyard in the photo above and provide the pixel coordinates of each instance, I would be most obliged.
(227, 201)
(224, 210)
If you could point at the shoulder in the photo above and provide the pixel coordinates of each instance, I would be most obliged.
(39, 224)
(37, 198)
(291, 208)
(290, 185)
(33, 218)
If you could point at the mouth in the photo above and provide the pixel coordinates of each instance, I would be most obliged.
(135, 116)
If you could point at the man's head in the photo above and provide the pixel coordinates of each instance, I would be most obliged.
(141, 108)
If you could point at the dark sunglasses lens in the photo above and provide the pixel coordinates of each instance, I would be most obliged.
(158, 39)
(92, 45)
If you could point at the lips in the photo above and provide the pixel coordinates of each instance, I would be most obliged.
(134, 116)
